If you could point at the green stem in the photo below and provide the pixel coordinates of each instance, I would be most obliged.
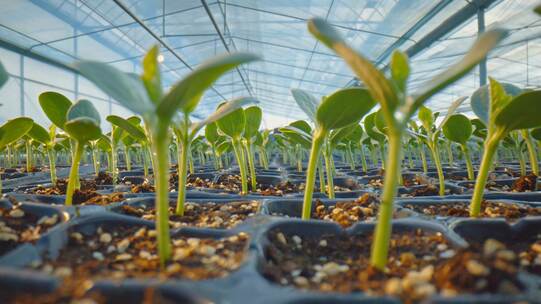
(467, 158)
(436, 156)
(521, 161)
(28, 156)
(490, 148)
(160, 149)
(52, 164)
(351, 158)
(72, 180)
(321, 174)
(239, 154)
(95, 161)
(450, 153)
(329, 171)
(317, 141)
(263, 156)
(423, 158)
(127, 158)
(363, 159)
(145, 161)
(251, 164)
(298, 156)
(182, 168)
(382, 234)
(531, 151)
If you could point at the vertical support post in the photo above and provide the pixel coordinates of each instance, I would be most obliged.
(21, 73)
(480, 30)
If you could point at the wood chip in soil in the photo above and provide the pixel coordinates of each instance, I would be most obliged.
(421, 264)
(488, 210)
(18, 226)
(207, 215)
(122, 252)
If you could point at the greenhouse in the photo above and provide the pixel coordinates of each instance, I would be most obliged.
(286, 151)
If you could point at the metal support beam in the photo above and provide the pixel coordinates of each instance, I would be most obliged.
(217, 28)
(21, 83)
(480, 30)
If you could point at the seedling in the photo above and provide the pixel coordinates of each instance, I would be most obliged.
(251, 128)
(397, 107)
(502, 109)
(47, 138)
(428, 119)
(458, 128)
(213, 138)
(13, 130)
(340, 109)
(144, 96)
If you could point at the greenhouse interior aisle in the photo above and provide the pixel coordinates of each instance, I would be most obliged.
(285, 151)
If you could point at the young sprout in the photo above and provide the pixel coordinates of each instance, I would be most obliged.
(212, 136)
(261, 141)
(253, 122)
(431, 139)
(458, 128)
(144, 96)
(47, 139)
(502, 109)
(374, 133)
(532, 154)
(352, 141)
(340, 109)
(82, 125)
(397, 107)
(131, 127)
(13, 130)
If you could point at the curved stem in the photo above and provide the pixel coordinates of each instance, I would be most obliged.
(382, 153)
(28, 156)
(351, 157)
(490, 148)
(72, 179)
(382, 234)
(521, 161)
(363, 159)
(321, 175)
(317, 142)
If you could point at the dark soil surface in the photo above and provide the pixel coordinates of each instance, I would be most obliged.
(18, 226)
(209, 215)
(525, 183)
(365, 208)
(130, 252)
(421, 264)
(86, 195)
(488, 209)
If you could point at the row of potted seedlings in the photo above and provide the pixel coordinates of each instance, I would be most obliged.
(327, 210)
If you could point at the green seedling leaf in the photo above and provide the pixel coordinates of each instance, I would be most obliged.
(522, 112)
(400, 70)
(14, 129)
(83, 109)
(253, 121)
(356, 134)
(151, 75)
(371, 129)
(211, 133)
(302, 125)
(224, 147)
(338, 135)
(55, 106)
(4, 76)
(538, 9)
(486, 42)
(297, 136)
(104, 143)
(223, 110)
(186, 94)
(344, 107)
(374, 79)
(458, 128)
(450, 111)
(426, 117)
(379, 120)
(40, 134)
(536, 133)
(233, 123)
(83, 129)
(307, 102)
(127, 126)
(480, 99)
(380, 88)
(125, 88)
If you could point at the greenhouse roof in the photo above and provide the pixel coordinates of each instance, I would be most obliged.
(433, 33)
